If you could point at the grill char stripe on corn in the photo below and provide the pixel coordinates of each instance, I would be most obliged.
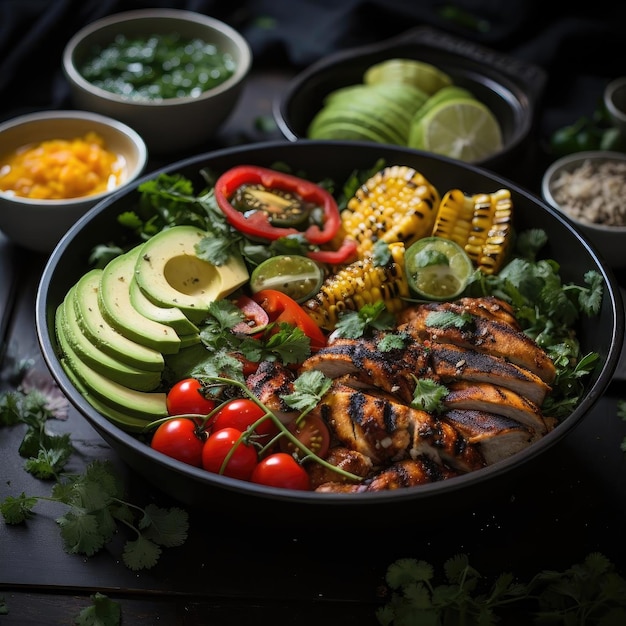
(359, 283)
(395, 204)
(482, 224)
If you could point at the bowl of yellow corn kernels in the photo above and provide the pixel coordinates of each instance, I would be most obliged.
(179, 299)
(55, 166)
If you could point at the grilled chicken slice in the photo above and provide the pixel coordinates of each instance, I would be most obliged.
(498, 436)
(452, 363)
(490, 336)
(343, 458)
(269, 383)
(406, 473)
(393, 371)
(489, 307)
(495, 399)
(386, 430)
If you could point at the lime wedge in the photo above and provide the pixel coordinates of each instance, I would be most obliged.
(425, 76)
(437, 268)
(460, 128)
(297, 276)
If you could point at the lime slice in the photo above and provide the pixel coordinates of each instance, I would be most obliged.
(459, 128)
(437, 268)
(297, 276)
(425, 76)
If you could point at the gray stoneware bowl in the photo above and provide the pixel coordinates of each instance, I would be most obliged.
(172, 125)
(197, 487)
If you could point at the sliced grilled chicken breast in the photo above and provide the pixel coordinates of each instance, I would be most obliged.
(489, 336)
(498, 437)
(452, 363)
(495, 399)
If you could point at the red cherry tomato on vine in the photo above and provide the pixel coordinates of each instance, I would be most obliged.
(186, 397)
(281, 470)
(180, 438)
(312, 432)
(217, 447)
(241, 413)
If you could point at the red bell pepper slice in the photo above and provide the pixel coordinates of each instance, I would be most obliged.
(257, 223)
(345, 254)
(282, 308)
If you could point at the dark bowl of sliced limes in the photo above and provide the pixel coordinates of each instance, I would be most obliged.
(425, 90)
(363, 368)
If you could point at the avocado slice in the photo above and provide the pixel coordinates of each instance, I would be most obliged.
(102, 334)
(101, 362)
(137, 404)
(118, 311)
(119, 418)
(170, 274)
(172, 316)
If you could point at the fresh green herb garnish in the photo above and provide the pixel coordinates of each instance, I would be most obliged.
(46, 454)
(586, 594)
(95, 508)
(428, 395)
(355, 324)
(449, 319)
(102, 612)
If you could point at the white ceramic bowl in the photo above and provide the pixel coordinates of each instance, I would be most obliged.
(174, 124)
(39, 224)
(610, 241)
(615, 102)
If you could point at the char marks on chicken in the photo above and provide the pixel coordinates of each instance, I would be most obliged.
(496, 380)
(399, 475)
(490, 336)
(386, 430)
(497, 436)
(393, 371)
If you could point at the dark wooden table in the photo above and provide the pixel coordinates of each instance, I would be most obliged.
(550, 515)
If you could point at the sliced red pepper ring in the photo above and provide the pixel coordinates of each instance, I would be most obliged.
(257, 223)
(282, 308)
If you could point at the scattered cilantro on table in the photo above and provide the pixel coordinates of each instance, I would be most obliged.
(102, 612)
(94, 500)
(585, 594)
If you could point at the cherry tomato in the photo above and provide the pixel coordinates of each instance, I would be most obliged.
(312, 432)
(241, 413)
(187, 397)
(256, 317)
(281, 308)
(180, 438)
(219, 444)
(281, 470)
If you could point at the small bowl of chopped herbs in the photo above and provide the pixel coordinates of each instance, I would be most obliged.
(172, 75)
(589, 188)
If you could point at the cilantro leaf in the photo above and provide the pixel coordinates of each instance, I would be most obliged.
(102, 612)
(141, 553)
(165, 527)
(309, 389)
(17, 510)
(428, 395)
(355, 324)
(449, 319)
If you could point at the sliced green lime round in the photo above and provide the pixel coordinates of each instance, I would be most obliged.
(297, 276)
(437, 268)
(461, 128)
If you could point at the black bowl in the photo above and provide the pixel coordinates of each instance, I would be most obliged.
(196, 487)
(509, 87)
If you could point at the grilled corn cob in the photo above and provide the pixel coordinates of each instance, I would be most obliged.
(395, 204)
(482, 224)
(359, 283)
